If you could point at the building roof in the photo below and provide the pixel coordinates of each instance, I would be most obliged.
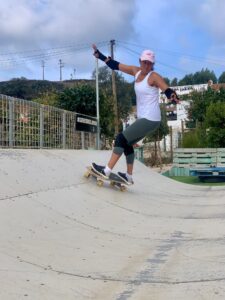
(217, 86)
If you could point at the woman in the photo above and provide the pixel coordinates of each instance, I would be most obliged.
(147, 84)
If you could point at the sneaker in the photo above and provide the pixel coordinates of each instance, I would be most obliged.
(99, 170)
(123, 176)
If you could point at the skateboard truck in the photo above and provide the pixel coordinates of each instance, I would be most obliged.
(114, 180)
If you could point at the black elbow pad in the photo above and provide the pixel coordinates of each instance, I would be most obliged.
(113, 64)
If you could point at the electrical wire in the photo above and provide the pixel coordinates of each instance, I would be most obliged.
(213, 61)
(22, 57)
(13, 59)
(159, 62)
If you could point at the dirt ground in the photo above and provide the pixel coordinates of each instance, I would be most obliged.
(161, 169)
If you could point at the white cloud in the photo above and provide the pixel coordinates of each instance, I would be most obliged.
(56, 21)
(45, 24)
(212, 18)
(208, 15)
(180, 26)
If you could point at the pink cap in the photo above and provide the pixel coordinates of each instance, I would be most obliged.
(148, 55)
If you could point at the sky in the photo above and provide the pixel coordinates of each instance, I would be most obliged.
(186, 36)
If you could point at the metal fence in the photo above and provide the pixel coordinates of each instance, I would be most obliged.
(26, 124)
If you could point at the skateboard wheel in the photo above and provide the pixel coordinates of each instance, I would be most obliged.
(123, 188)
(100, 183)
(112, 183)
(87, 174)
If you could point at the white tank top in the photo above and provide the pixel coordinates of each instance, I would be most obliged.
(147, 98)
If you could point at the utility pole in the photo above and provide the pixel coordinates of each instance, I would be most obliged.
(171, 143)
(112, 44)
(43, 69)
(61, 65)
(97, 107)
(182, 133)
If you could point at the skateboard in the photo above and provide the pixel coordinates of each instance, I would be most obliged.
(113, 179)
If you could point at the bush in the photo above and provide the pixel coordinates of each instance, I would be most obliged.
(194, 139)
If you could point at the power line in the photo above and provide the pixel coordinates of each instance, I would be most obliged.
(159, 62)
(213, 61)
(41, 54)
(74, 46)
(14, 59)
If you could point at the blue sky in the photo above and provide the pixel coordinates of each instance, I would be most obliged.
(186, 35)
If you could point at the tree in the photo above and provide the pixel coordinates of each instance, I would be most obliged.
(187, 80)
(222, 78)
(174, 82)
(204, 76)
(125, 97)
(195, 138)
(199, 77)
(48, 98)
(28, 89)
(200, 102)
(125, 90)
(104, 75)
(166, 79)
(158, 135)
(163, 129)
(208, 114)
(197, 110)
(82, 99)
(215, 123)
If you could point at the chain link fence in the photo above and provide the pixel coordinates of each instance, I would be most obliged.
(26, 124)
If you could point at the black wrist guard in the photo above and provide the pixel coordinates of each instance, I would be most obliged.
(100, 55)
(171, 94)
(112, 64)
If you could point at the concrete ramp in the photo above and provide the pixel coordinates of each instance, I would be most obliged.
(63, 237)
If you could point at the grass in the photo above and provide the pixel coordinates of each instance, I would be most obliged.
(194, 180)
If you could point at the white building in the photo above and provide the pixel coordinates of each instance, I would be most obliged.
(176, 126)
(179, 112)
(187, 89)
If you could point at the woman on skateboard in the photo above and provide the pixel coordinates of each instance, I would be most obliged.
(147, 84)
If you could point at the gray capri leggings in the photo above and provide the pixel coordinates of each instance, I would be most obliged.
(131, 135)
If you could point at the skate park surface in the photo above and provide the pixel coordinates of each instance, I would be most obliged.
(63, 237)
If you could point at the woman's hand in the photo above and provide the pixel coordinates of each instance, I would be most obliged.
(96, 54)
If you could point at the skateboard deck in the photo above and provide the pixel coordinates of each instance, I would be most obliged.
(113, 179)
